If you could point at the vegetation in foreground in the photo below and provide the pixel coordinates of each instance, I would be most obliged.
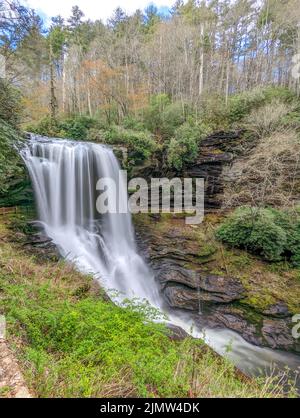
(71, 341)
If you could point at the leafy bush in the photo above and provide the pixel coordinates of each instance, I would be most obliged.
(152, 114)
(184, 147)
(130, 122)
(163, 117)
(141, 144)
(46, 127)
(76, 127)
(218, 115)
(10, 108)
(172, 117)
(270, 233)
(14, 183)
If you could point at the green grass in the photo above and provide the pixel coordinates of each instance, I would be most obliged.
(72, 342)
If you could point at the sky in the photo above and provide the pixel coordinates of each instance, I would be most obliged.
(93, 9)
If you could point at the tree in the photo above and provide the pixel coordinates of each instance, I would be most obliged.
(16, 23)
(75, 20)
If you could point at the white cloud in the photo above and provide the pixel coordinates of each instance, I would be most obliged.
(93, 9)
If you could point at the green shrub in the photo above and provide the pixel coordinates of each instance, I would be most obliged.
(76, 127)
(269, 233)
(184, 147)
(152, 114)
(219, 116)
(240, 105)
(289, 221)
(10, 103)
(14, 183)
(141, 144)
(130, 122)
(46, 127)
(172, 117)
(163, 117)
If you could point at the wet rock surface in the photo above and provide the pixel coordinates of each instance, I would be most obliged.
(181, 267)
(277, 333)
(176, 333)
(278, 310)
(188, 289)
(42, 246)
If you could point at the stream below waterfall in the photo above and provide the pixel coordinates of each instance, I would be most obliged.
(64, 175)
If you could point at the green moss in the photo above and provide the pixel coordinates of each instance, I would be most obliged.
(207, 250)
(240, 261)
(258, 302)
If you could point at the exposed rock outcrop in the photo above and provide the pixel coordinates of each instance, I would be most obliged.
(187, 289)
(182, 263)
(215, 153)
(278, 310)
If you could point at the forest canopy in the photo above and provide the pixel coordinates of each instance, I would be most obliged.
(203, 49)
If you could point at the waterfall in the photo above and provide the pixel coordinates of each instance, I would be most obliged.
(64, 175)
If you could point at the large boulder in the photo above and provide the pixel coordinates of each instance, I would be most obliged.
(186, 288)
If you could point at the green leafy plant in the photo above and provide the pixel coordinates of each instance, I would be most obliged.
(14, 183)
(141, 144)
(269, 233)
(71, 341)
(10, 103)
(76, 127)
(184, 147)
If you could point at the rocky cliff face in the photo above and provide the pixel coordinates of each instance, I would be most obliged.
(219, 287)
(189, 269)
(216, 153)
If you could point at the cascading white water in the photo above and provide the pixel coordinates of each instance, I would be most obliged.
(64, 176)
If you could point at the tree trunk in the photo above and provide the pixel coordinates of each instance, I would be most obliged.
(53, 100)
